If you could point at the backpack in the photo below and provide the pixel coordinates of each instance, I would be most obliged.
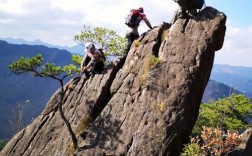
(199, 4)
(191, 4)
(102, 53)
(132, 20)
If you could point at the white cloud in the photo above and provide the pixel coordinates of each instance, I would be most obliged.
(57, 21)
(13, 6)
(237, 48)
(250, 29)
(26, 18)
(6, 21)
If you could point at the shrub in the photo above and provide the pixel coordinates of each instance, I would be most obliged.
(226, 113)
(192, 149)
(2, 144)
(213, 141)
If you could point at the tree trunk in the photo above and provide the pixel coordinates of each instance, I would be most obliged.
(70, 130)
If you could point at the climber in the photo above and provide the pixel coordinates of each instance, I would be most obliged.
(132, 21)
(92, 62)
(188, 8)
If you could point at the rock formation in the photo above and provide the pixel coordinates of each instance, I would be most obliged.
(245, 147)
(144, 105)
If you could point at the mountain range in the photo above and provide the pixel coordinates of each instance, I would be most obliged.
(23, 88)
(237, 77)
(227, 79)
(215, 90)
(77, 49)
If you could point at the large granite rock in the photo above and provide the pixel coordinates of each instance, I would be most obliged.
(146, 106)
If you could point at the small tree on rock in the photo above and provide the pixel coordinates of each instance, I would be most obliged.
(33, 65)
(109, 41)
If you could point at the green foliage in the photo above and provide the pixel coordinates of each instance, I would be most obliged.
(51, 69)
(34, 66)
(152, 61)
(71, 69)
(192, 149)
(77, 60)
(215, 131)
(137, 43)
(26, 64)
(2, 144)
(109, 41)
(226, 113)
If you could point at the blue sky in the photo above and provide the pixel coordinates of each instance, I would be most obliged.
(237, 49)
(57, 21)
(238, 11)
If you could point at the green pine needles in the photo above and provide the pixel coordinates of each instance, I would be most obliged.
(33, 65)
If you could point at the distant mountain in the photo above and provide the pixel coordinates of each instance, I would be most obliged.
(237, 77)
(20, 88)
(77, 49)
(215, 90)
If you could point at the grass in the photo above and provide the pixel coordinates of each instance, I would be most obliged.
(83, 125)
(137, 43)
(151, 62)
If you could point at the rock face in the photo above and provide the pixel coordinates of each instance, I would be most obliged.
(144, 105)
(248, 149)
(245, 147)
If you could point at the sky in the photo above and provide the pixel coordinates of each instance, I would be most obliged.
(58, 21)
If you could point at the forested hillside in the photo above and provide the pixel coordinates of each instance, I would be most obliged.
(237, 77)
(216, 90)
